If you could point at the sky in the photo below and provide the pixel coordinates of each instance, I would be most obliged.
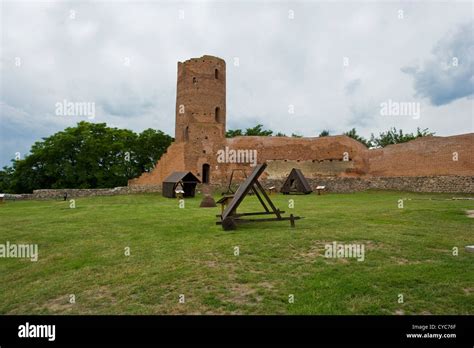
(295, 67)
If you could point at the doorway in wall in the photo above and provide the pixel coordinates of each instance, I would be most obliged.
(205, 173)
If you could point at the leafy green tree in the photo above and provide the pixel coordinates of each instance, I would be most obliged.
(86, 156)
(394, 136)
(353, 134)
(258, 130)
(324, 133)
(233, 133)
(149, 147)
(6, 175)
(294, 135)
(280, 134)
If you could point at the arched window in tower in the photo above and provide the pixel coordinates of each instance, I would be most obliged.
(217, 114)
(186, 134)
(205, 173)
(194, 80)
(216, 74)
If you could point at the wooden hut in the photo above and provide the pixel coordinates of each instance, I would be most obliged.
(181, 180)
(296, 183)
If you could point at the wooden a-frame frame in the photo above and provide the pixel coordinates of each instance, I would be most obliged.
(296, 183)
(230, 218)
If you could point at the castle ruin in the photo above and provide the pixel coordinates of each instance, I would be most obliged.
(434, 164)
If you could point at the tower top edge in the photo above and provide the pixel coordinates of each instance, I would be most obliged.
(204, 57)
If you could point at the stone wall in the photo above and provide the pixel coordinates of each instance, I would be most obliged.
(280, 169)
(74, 193)
(20, 196)
(447, 184)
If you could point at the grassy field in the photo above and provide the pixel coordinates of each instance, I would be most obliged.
(181, 251)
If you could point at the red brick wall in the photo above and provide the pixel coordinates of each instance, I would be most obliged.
(171, 161)
(424, 157)
(430, 156)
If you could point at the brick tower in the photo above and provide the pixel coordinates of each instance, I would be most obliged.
(200, 99)
(201, 113)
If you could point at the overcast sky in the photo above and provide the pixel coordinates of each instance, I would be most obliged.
(336, 63)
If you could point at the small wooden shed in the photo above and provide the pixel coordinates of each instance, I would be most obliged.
(296, 183)
(181, 180)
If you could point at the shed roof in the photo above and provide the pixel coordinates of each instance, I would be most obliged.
(181, 176)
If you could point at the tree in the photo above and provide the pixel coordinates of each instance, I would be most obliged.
(280, 134)
(86, 156)
(294, 135)
(233, 133)
(353, 134)
(394, 136)
(149, 147)
(6, 175)
(324, 133)
(257, 130)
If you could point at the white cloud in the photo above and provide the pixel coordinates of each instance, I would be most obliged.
(449, 74)
(282, 62)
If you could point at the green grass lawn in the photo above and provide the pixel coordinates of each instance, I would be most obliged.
(181, 251)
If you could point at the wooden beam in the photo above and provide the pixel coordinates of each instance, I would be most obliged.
(266, 219)
(259, 198)
(243, 190)
(275, 210)
(250, 214)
